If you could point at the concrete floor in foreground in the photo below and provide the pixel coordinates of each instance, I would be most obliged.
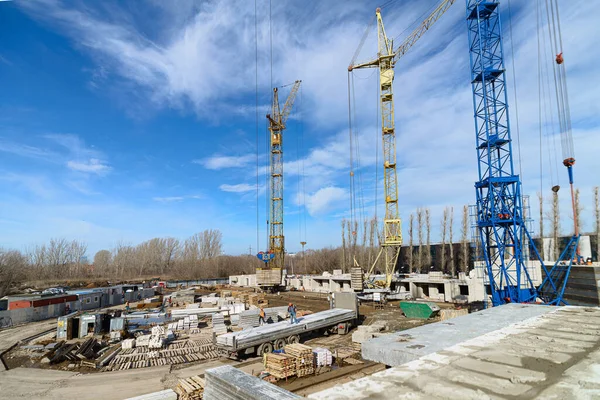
(554, 355)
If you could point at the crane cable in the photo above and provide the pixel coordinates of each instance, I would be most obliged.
(514, 74)
(257, 130)
(546, 116)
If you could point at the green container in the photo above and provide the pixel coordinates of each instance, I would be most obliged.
(419, 309)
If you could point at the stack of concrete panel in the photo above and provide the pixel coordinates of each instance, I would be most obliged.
(249, 319)
(162, 395)
(356, 279)
(218, 322)
(229, 383)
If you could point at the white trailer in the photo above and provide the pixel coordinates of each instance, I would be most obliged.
(266, 338)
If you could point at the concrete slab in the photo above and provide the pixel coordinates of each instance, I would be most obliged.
(405, 346)
(522, 360)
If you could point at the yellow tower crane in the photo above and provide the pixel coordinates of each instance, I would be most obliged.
(270, 276)
(387, 57)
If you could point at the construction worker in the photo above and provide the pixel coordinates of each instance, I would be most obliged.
(292, 312)
(127, 308)
(261, 316)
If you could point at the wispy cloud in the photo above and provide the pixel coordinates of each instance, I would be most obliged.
(175, 199)
(25, 150)
(239, 188)
(92, 166)
(218, 162)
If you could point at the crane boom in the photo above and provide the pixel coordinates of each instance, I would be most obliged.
(277, 120)
(385, 61)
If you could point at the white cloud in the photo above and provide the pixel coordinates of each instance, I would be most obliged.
(221, 162)
(91, 166)
(239, 188)
(326, 199)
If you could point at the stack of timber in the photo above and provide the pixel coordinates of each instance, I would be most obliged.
(305, 359)
(218, 322)
(191, 388)
(281, 366)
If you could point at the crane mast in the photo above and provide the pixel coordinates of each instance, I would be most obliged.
(500, 220)
(277, 120)
(386, 59)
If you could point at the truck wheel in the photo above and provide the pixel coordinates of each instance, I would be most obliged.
(293, 339)
(264, 349)
(279, 344)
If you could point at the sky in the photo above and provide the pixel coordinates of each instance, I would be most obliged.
(127, 120)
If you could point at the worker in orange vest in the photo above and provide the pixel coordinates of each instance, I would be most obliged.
(261, 316)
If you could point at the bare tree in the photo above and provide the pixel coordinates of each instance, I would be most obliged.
(344, 251)
(579, 211)
(12, 269)
(420, 237)
(451, 240)
(372, 232)
(541, 201)
(555, 224)
(464, 241)
(76, 254)
(428, 236)
(102, 263)
(409, 253)
(444, 233)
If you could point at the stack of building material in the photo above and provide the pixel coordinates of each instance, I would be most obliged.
(248, 319)
(304, 357)
(191, 388)
(229, 383)
(143, 341)
(128, 344)
(156, 342)
(323, 357)
(158, 330)
(179, 352)
(162, 395)
(356, 279)
(218, 322)
(281, 366)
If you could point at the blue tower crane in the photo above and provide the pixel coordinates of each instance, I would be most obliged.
(500, 221)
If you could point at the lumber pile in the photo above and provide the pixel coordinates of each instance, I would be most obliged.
(281, 366)
(191, 388)
(305, 359)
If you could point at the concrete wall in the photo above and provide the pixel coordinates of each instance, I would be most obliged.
(243, 280)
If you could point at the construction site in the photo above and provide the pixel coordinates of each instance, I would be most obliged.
(502, 314)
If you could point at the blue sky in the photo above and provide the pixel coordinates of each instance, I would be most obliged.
(128, 120)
